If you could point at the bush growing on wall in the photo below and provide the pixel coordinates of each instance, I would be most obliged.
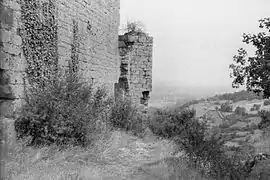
(63, 111)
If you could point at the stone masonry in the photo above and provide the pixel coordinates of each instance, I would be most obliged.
(87, 42)
(12, 62)
(86, 30)
(135, 50)
(84, 40)
(97, 24)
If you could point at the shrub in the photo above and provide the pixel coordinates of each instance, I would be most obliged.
(205, 150)
(225, 125)
(257, 107)
(127, 116)
(63, 111)
(266, 102)
(240, 111)
(225, 107)
(265, 122)
(216, 103)
(167, 124)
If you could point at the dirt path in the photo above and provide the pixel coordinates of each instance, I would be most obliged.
(121, 157)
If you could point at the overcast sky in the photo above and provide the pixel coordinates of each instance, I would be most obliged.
(195, 40)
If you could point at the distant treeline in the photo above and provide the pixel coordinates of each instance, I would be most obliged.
(237, 96)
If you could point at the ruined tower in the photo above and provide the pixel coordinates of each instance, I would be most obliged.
(135, 50)
(82, 37)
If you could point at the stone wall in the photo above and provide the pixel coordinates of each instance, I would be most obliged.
(11, 74)
(88, 32)
(87, 38)
(12, 62)
(135, 79)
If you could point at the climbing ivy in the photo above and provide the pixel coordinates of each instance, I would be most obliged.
(39, 35)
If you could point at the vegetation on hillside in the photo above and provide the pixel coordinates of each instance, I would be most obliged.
(237, 96)
(204, 148)
(225, 107)
(265, 122)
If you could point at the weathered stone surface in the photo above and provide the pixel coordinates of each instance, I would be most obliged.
(98, 24)
(6, 15)
(6, 108)
(4, 77)
(9, 134)
(6, 92)
(88, 31)
(9, 37)
(136, 65)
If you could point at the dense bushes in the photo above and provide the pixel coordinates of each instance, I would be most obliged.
(225, 107)
(127, 116)
(266, 102)
(255, 107)
(265, 122)
(237, 96)
(240, 111)
(66, 111)
(63, 111)
(204, 149)
(167, 124)
(206, 152)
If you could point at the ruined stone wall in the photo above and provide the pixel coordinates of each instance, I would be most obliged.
(87, 43)
(12, 66)
(136, 66)
(88, 38)
(12, 61)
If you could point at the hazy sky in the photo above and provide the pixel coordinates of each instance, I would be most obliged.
(195, 40)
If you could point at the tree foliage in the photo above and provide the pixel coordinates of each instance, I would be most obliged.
(254, 71)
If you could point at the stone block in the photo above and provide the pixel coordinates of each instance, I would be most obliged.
(12, 49)
(4, 77)
(6, 16)
(132, 38)
(11, 62)
(6, 92)
(16, 77)
(9, 133)
(7, 108)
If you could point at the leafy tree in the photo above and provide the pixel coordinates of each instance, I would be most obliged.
(254, 71)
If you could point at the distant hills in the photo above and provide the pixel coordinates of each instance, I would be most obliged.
(166, 93)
